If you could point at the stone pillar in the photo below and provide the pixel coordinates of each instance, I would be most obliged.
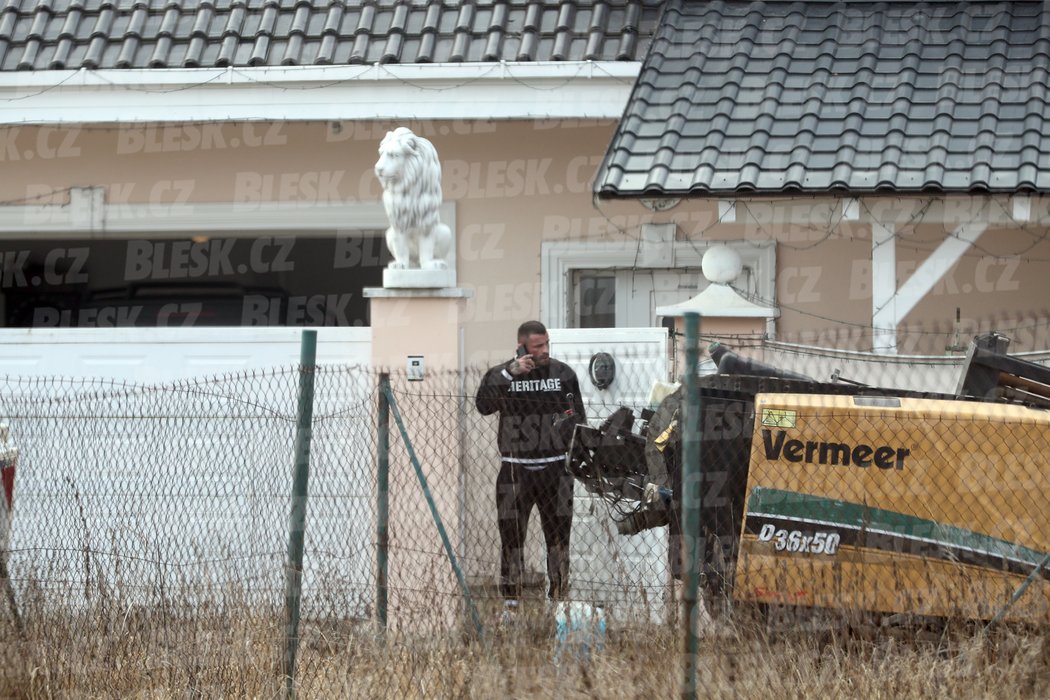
(423, 324)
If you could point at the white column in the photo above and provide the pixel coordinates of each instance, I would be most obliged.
(883, 288)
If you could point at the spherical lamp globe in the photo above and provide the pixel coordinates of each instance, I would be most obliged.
(721, 264)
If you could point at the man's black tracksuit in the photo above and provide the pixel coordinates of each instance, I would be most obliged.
(537, 411)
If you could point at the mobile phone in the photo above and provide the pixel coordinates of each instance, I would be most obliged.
(520, 351)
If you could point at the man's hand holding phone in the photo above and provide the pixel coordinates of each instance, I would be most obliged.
(523, 362)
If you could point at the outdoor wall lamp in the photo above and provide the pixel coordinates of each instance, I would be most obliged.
(602, 370)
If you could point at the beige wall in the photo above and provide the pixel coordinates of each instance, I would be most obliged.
(516, 184)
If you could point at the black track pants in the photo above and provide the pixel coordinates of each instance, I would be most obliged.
(517, 490)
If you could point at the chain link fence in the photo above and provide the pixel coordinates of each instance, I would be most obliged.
(156, 518)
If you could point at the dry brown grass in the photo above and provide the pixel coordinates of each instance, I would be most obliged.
(159, 654)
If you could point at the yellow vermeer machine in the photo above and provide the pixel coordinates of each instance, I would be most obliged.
(848, 497)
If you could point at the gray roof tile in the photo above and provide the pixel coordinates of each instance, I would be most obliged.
(50, 34)
(812, 96)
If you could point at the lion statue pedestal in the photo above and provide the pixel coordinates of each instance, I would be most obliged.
(418, 279)
(410, 173)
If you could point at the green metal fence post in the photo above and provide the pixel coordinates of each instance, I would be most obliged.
(383, 501)
(692, 558)
(297, 519)
(449, 552)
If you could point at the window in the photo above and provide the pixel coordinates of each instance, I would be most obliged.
(629, 298)
(585, 281)
(595, 299)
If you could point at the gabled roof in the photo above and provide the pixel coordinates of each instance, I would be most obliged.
(896, 97)
(99, 34)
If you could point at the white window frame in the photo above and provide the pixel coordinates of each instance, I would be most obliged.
(559, 259)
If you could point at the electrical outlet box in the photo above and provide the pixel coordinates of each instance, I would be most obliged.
(415, 368)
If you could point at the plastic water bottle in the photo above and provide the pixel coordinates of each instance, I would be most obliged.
(579, 629)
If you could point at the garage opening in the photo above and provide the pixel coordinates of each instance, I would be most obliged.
(234, 280)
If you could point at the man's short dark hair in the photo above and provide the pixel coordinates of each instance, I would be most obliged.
(531, 328)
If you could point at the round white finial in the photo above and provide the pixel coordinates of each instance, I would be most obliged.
(721, 264)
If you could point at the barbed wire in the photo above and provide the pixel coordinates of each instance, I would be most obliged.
(34, 197)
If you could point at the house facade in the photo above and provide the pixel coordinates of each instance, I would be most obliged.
(211, 163)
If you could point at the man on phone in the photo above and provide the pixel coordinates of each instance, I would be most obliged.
(539, 405)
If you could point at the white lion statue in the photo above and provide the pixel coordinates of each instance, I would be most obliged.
(410, 174)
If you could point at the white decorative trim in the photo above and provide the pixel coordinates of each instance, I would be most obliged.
(87, 207)
(505, 90)
(851, 209)
(899, 210)
(1021, 208)
(883, 285)
(727, 211)
(889, 304)
(721, 301)
(657, 245)
(558, 260)
(443, 293)
(87, 215)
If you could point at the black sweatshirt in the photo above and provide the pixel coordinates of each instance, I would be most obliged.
(536, 411)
